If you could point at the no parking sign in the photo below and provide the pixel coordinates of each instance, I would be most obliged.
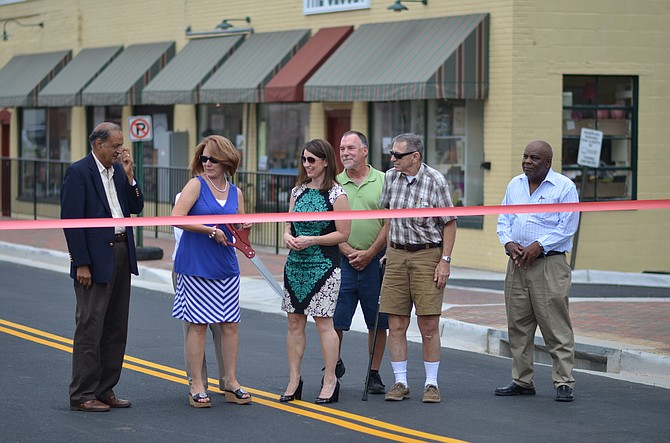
(140, 129)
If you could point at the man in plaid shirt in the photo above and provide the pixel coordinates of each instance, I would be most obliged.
(417, 261)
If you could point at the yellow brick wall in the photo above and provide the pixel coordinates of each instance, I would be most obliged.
(78, 135)
(533, 44)
(552, 39)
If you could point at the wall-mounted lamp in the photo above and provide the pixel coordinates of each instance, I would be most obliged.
(225, 25)
(399, 7)
(222, 28)
(5, 36)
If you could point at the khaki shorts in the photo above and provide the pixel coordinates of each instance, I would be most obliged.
(408, 280)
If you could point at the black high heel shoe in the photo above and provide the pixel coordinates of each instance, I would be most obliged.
(297, 394)
(332, 399)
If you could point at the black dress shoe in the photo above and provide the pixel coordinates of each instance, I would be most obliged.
(514, 389)
(339, 370)
(564, 393)
(375, 385)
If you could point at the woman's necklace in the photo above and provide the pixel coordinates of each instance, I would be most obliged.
(225, 188)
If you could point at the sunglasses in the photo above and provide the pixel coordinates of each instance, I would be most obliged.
(204, 159)
(310, 160)
(400, 155)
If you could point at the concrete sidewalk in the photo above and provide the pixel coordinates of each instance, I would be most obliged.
(623, 336)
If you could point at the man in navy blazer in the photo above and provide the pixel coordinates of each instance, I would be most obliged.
(101, 185)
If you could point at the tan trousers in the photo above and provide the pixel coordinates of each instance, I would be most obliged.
(538, 296)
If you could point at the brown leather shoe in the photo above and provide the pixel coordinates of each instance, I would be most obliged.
(90, 406)
(115, 402)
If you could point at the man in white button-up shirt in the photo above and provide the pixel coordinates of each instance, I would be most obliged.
(538, 277)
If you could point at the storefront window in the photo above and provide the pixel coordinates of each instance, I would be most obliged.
(453, 140)
(388, 120)
(282, 131)
(607, 104)
(100, 114)
(34, 134)
(223, 119)
(455, 152)
(45, 138)
(157, 183)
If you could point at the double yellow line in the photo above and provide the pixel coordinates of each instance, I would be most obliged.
(335, 417)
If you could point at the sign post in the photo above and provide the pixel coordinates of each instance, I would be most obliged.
(590, 145)
(140, 130)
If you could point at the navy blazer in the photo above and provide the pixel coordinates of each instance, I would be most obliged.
(83, 196)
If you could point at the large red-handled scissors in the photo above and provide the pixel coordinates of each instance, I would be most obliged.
(242, 243)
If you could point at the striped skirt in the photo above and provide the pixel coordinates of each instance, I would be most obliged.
(201, 300)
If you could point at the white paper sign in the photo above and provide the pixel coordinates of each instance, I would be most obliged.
(590, 144)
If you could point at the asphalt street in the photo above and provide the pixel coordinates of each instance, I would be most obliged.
(37, 321)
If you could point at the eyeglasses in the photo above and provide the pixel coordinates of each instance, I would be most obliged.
(310, 160)
(400, 155)
(204, 159)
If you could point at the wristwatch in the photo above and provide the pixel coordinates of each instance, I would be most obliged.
(446, 258)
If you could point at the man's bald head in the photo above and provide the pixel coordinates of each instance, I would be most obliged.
(537, 160)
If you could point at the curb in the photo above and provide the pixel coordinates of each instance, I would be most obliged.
(590, 356)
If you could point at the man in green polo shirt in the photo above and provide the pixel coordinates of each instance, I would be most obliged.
(361, 280)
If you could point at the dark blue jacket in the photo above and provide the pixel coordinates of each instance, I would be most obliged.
(83, 196)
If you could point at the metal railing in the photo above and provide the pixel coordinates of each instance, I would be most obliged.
(30, 188)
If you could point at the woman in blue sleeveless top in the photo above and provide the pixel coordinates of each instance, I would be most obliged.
(208, 275)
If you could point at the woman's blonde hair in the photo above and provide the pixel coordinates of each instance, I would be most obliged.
(220, 149)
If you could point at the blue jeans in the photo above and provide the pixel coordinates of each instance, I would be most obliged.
(359, 286)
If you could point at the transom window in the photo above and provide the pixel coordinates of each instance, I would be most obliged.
(324, 6)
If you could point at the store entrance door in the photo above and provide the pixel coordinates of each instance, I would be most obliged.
(338, 122)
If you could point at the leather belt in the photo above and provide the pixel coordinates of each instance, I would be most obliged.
(120, 238)
(414, 248)
(550, 253)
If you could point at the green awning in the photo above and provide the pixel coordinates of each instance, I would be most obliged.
(243, 77)
(22, 78)
(182, 78)
(444, 57)
(122, 82)
(65, 89)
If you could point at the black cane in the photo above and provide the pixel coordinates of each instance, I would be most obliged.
(374, 335)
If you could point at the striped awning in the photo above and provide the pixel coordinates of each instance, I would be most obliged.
(243, 77)
(288, 84)
(122, 82)
(65, 89)
(22, 78)
(444, 57)
(182, 78)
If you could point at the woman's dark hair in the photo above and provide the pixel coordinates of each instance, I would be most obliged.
(323, 150)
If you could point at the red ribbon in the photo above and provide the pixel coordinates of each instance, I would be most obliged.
(619, 205)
